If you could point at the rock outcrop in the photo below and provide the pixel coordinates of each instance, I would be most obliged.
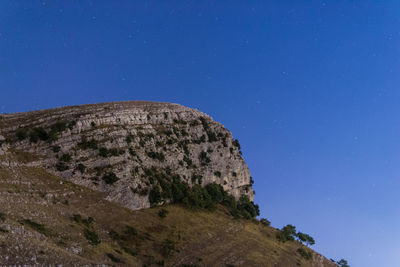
(126, 149)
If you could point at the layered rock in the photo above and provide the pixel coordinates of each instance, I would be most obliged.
(122, 148)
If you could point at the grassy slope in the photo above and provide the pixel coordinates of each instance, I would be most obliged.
(202, 238)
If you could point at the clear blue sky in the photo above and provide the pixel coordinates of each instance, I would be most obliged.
(310, 88)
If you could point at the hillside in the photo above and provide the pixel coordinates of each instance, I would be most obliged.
(54, 211)
(38, 227)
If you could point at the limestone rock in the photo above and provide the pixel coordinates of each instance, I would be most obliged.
(112, 147)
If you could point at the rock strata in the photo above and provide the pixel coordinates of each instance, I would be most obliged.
(123, 148)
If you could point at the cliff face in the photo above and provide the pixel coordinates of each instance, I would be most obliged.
(123, 148)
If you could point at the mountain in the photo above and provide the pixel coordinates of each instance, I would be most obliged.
(131, 184)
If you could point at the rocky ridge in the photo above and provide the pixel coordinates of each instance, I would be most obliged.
(127, 149)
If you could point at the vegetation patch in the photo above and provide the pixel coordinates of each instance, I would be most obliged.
(168, 248)
(129, 138)
(91, 237)
(156, 155)
(81, 168)
(110, 178)
(61, 166)
(35, 226)
(265, 222)
(168, 187)
(39, 133)
(203, 158)
(114, 258)
(65, 158)
(162, 213)
(288, 233)
(80, 220)
(88, 144)
(307, 255)
(112, 152)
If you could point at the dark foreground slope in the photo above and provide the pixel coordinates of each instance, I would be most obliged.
(46, 220)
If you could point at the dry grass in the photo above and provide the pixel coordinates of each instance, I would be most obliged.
(201, 238)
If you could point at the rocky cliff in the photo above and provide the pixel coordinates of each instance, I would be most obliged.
(126, 149)
(74, 182)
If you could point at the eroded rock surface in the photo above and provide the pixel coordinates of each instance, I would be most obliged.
(123, 148)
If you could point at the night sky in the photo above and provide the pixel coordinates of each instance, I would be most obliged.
(310, 89)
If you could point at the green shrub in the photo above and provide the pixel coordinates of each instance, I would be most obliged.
(132, 152)
(188, 161)
(247, 209)
(217, 173)
(287, 233)
(114, 235)
(204, 122)
(305, 254)
(194, 123)
(204, 159)
(130, 251)
(85, 144)
(79, 219)
(129, 232)
(162, 213)
(184, 133)
(280, 236)
(103, 152)
(179, 190)
(113, 258)
(110, 178)
(71, 125)
(114, 152)
(236, 143)
(168, 247)
(265, 222)
(166, 186)
(212, 137)
(37, 134)
(155, 195)
(156, 155)
(76, 218)
(251, 180)
(21, 134)
(81, 167)
(61, 166)
(91, 237)
(58, 127)
(198, 197)
(2, 217)
(129, 138)
(56, 149)
(343, 263)
(197, 179)
(65, 158)
(305, 238)
(216, 192)
(35, 226)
